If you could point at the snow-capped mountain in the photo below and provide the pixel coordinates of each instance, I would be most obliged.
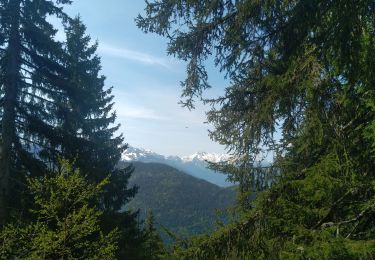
(203, 156)
(195, 164)
(137, 154)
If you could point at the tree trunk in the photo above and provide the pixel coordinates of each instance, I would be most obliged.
(11, 85)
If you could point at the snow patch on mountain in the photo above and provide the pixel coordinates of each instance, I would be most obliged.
(136, 154)
(195, 164)
(204, 156)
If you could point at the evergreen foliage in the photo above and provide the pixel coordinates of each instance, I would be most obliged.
(53, 103)
(153, 245)
(86, 116)
(66, 221)
(29, 65)
(302, 68)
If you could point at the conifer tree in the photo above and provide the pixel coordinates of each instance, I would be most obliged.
(66, 221)
(29, 60)
(53, 103)
(302, 68)
(153, 245)
(86, 118)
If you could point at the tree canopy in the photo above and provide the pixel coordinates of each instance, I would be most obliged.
(66, 224)
(29, 64)
(54, 104)
(304, 69)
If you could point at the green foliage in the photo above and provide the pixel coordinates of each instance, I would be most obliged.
(66, 224)
(302, 68)
(29, 66)
(55, 104)
(181, 203)
(86, 119)
(153, 246)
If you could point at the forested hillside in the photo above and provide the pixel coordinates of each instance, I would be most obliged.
(183, 204)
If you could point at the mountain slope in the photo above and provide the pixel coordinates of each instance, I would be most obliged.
(180, 202)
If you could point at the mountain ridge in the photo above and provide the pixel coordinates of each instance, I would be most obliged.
(194, 165)
(181, 202)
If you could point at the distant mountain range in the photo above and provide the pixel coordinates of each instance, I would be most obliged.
(195, 164)
(182, 203)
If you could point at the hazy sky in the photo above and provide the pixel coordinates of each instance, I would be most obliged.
(146, 81)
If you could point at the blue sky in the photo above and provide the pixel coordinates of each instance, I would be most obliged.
(146, 81)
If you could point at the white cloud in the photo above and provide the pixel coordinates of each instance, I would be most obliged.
(137, 112)
(129, 54)
(160, 102)
(124, 53)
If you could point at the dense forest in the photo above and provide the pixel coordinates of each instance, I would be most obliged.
(180, 202)
(300, 69)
